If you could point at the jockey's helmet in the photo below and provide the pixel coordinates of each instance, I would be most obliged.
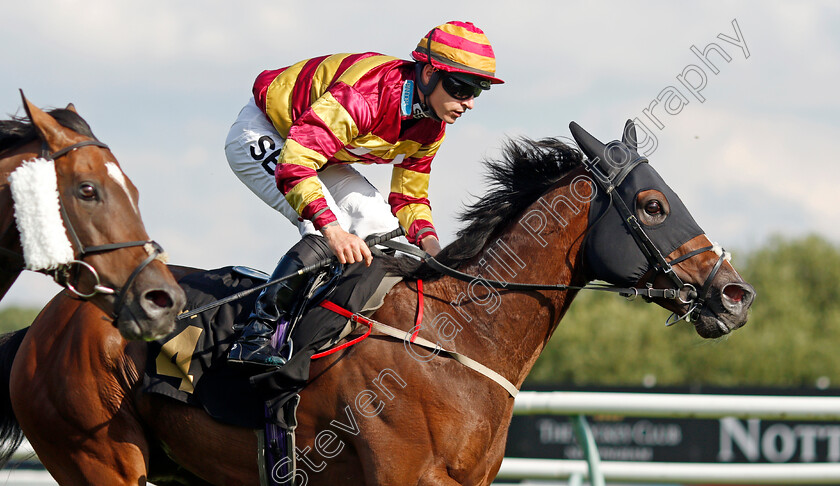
(460, 49)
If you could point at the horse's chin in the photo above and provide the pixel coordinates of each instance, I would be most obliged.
(133, 332)
(137, 329)
(711, 325)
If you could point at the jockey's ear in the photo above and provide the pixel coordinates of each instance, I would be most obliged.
(428, 71)
(49, 130)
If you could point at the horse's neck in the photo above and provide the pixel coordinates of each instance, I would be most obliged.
(508, 330)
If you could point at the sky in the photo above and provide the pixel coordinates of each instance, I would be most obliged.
(743, 133)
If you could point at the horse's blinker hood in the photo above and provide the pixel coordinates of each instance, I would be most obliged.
(620, 174)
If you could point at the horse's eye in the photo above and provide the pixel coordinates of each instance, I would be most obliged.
(87, 191)
(653, 207)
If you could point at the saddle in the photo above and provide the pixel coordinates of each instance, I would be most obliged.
(189, 365)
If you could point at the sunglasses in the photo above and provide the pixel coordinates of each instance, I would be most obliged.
(459, 89)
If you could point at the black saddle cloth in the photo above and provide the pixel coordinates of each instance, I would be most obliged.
(190, 365)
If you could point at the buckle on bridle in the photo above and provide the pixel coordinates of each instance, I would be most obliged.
(63, 278)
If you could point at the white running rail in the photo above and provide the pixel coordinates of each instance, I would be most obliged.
(658, 405)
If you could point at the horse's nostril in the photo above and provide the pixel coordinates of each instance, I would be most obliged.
(735, 293)
(738, 295)
(159, 298)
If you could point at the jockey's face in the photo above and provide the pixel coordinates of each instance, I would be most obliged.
(444, 105)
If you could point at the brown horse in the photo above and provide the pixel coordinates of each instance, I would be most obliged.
(386, 412)
(114, 263)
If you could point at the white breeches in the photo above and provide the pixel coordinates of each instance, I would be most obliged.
(252, 148)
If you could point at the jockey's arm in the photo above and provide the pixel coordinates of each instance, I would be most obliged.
(308, 147)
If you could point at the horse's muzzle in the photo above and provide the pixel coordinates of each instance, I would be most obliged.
(152, 314)
(726, 310)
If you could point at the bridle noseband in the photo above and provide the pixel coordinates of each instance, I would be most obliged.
(62, 275)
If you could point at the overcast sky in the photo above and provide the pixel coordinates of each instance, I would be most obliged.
(750, 150)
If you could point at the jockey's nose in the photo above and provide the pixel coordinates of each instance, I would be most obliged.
(469, 103)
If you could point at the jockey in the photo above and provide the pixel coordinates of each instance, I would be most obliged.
(293, 142)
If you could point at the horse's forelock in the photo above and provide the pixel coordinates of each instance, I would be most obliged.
(70, 119)
(19, 130)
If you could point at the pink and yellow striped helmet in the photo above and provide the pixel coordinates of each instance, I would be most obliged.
(459, 47)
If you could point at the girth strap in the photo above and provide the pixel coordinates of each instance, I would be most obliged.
(464, 360)
(413, 339)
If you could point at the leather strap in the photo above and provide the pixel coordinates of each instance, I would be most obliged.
(84, 143)
(631, 292)
(413, 339)
(464, 360)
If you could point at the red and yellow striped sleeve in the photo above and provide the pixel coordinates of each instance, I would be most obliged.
(409, 197)
(322, 130)
(316, 131)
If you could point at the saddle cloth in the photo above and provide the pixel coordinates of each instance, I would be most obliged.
(190, 366)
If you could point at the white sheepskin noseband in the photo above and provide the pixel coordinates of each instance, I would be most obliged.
(44, 239)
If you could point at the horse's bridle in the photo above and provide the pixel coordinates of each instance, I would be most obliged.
(62, 275)
(682, 292)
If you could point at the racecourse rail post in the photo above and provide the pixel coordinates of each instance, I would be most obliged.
(590, 450)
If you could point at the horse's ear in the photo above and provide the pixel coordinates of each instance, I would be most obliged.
(72, 107)
(629, 135)
(591, 146)
(49, 130)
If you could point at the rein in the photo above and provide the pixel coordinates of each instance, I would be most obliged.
(370, 241)
(695, 299)
(62, 276)
(631, 292)
(683, 292)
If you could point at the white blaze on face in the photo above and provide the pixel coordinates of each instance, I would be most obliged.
(115, 173)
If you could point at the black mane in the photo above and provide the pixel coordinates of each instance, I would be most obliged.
(19, 130)
(527, 169)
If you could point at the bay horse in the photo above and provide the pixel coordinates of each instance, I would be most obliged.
(385, 412)
(113, 263)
